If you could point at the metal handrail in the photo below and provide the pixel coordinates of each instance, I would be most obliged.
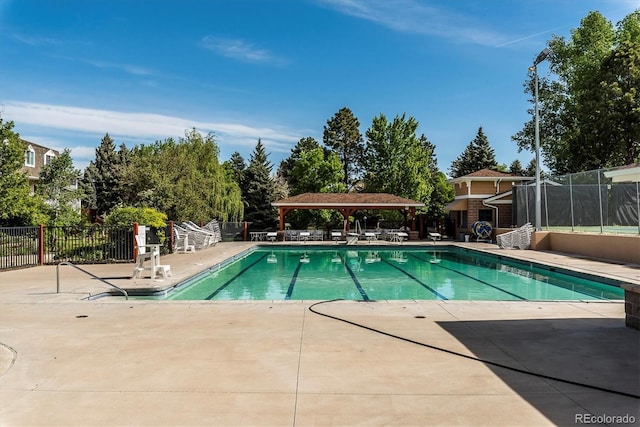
(126, 295)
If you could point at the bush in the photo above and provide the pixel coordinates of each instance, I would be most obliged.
(127, 215)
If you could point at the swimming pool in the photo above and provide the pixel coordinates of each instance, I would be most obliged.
(383, 273)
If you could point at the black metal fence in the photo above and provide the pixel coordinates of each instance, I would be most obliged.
(18, 247)
(92, 244)
(30, 246)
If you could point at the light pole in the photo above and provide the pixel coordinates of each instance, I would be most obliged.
(541, 57)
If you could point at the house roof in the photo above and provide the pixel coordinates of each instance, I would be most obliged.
(348, 200)
(626, 173)
(488, 175)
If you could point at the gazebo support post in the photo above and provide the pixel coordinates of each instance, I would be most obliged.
(283, 213)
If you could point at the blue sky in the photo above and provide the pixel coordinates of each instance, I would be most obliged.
(142, 70)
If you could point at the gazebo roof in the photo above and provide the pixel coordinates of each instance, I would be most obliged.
(346, 200)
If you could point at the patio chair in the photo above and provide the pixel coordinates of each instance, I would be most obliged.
(202, 238)
(151, 253)
(370, 236)
(519, 238)
(304, 236)
(272, 236)
(435, 236)
(214, 227)
(181, 242)
(336, 236)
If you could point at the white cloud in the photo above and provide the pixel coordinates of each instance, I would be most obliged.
(415, 17)
(139, 127)
(239, 49)
(127, 68)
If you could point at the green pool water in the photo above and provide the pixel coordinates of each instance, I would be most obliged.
(382, 273)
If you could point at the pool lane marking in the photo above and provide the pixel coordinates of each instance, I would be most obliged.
(365, 297)
(547, 273)
(472, 278)
(293, 281)
(429, 288)
(228, 282)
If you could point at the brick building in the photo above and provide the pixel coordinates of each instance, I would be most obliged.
(484, 195)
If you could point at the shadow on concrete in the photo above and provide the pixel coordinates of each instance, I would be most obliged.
(594, 351)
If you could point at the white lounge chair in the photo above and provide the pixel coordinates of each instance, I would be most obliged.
(201, 238)
(435, 236)
(214, 227)
(304, 235)
(181, 242)
(272, 236)
(370, 236)
(519, 238)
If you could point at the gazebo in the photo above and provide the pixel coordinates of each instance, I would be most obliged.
(347, 204)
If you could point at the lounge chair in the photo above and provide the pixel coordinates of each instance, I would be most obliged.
(304, 235)
(370, 236)
(519, 238)
(202, 238)
(181, 242)
(272, 236)
(214, 227)
(435, 236)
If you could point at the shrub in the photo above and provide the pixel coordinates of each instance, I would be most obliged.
(127, 215)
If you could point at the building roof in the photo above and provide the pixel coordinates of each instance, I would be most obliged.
(350, 200)
(626, 173)
(488, 175)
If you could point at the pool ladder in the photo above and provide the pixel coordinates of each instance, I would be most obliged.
(126, 295)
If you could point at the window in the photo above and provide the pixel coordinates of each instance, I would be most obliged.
(485, 215)
(30, 157)
(48, 157)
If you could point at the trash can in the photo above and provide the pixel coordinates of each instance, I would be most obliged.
(466, 238)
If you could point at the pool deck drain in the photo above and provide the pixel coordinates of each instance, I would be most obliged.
(69, 361)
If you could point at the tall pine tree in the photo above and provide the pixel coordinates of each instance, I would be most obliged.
(259, 190)
(107, 173)
(343, 136)
(478, 155)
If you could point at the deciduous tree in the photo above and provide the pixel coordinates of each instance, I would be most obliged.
(17, 207)
(396, 160)
(589, 109)
(57, 186)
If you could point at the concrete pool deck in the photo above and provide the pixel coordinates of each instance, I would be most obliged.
(68, 361)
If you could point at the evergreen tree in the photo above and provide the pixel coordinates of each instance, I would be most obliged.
(259, 190)
(478, 155)
(343, 136)
(530, 170)
(108, 178)
(516, 168)
(236, 166)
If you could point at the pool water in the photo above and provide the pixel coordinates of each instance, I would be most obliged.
(382, 273)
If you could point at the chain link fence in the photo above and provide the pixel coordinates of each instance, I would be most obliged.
(603, 200)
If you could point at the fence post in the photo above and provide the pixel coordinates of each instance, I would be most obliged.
(171, 237)
(41, 244)
(135, 246)
(245, 231)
